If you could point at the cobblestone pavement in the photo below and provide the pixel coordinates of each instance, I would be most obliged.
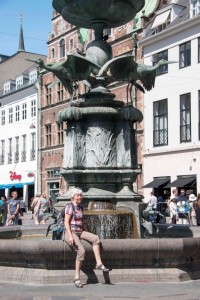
(126, 291)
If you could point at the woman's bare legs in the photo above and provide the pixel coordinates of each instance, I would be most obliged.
(99, 266)
(77, 268)
(96, 249)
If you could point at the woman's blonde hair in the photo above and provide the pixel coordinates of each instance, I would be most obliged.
(76, 191)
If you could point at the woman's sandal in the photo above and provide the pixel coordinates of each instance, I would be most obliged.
(78, 283)
(102, 268)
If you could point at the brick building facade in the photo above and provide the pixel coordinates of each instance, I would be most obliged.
(63, 39)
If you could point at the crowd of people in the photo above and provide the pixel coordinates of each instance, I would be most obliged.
(183, 208)
(12, 210)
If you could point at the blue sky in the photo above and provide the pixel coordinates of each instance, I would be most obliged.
(36, 21)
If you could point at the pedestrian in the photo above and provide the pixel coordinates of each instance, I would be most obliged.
(152, 201)
(42, 208)
(13, 209)
(4, 209)
(22, 206)
(75, 233)
(182, 196)
(183, 211)
(34, 207)
(192, 198)
(174, 194)
(173, 211)
(197, 209)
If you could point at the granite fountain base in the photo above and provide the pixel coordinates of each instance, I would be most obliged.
(46, 261)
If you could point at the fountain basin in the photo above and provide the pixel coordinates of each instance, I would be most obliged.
(84, 13)
(116, 254)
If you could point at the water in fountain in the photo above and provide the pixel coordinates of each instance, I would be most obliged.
(110, 224)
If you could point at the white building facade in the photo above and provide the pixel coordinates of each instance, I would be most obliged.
(172, 108)
(18, 136)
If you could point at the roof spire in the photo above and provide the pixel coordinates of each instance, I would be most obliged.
(21, 37)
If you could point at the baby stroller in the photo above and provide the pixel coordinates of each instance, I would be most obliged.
(150, 217)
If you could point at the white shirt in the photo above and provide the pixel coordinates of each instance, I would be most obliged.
(153, 202)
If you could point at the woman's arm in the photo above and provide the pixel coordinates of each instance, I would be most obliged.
(68, 228)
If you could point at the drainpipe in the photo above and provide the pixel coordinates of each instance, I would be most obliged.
(39, 124)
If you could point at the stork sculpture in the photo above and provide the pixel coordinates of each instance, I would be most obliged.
(74, 68)
(124, 68)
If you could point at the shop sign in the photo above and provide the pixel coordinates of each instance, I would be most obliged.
(31, 174)
(14, 176)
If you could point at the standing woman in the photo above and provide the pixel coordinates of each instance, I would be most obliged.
(13, 208)
(42, 208)
(75, 233)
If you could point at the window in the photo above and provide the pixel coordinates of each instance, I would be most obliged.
(160, 124)
(48, 135)
(185, 55)
(158, 56)
(33, 108)
(10, 115)
(10, 151)
(2, 152)
(23, 148)
(19, 82)
(24, 111)
(71, 44)
(194, 8)
(60, 91)
(52, 53)
(185, 118)
(62, 48)
(48, 95)
(6, 88)
(33, 146)
(16, 159)
(199, 50)
(32, 76)
(17, 113)
(3, 117)
(60, 133)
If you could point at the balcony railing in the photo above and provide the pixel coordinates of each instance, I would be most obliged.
(32, 156)
(2, 159)
(16, 157)
(9, 158)
(185, 133)
(160, 137)
(23, 156)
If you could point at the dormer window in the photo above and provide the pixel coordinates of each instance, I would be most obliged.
(32, 76)
(194, 8)
(19, 82)
(6, 88)
(161, 21)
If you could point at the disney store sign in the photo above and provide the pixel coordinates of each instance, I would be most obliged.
(14, 176)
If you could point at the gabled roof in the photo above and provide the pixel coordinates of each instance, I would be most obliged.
(16, 65)
(182, 17)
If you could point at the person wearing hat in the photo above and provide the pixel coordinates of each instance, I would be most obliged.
(192, 198)
(197, 209)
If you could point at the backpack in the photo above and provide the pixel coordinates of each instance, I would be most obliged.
(58, 227)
